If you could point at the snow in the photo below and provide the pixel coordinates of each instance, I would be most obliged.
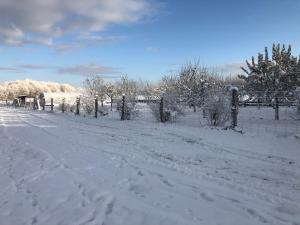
(63, 169)
(233, 88)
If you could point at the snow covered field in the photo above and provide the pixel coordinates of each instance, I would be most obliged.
(67, 170)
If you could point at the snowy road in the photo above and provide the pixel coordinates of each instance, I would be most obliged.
(61, 169)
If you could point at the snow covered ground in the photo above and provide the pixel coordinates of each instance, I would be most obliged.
(61, 169)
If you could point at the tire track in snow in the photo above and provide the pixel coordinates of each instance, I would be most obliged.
(93, 196)
(180, 165)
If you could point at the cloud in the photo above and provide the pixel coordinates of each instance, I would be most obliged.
(22, 68)
(89, 70)
(101, 39)
(64, 48)
(41, 22)
(87, 40)
(10, 69)
(33, 66)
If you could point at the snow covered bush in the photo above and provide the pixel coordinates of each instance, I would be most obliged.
(130, 111)
(128, 88)
(103, 111)
(297, 95)
(87, 105)
(67, 107)
(217, 106)
(154, 107)
(172, 110)
(174, 103)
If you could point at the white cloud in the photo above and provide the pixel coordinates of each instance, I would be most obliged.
(86, 40)
(101, 39)
(42, 21)
(9, 69)
(88, 70)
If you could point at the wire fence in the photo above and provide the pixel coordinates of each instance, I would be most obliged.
(253, 113)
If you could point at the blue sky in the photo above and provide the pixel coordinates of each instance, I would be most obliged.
(145, 39)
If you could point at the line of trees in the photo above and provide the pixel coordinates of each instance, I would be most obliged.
(190, 85)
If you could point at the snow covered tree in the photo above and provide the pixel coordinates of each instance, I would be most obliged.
(95, 86)
(218, 107)
(110, 91)
(128, 88)
(172, 101)
(192, 83)
(268, 78)
(148, 89)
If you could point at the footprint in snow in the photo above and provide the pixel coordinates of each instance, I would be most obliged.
(206, 197)
(255, 214)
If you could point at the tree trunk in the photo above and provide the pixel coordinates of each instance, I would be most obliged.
(111, 103)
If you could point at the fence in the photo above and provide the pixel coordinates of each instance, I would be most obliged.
(229, 109)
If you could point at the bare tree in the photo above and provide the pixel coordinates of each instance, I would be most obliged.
(110, 91)
(95, 86)
(193, 82)
(129, 88)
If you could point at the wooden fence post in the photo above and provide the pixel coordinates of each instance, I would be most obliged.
(44, 103)
(77, 112)
(96, 106)
(276, 108)
(123, 108)
(258, 102)
(52, 105)
(63, 106)
(34, 103)
(161, 110)
(111, 103)
(234, 101)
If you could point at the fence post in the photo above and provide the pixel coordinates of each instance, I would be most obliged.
(234, 101)
(96, 106)
(52, 105)
(111, 103)
(63, 106)
(161, 110)
(123, 108)
(77, 112)
(34, 103)
(44, 103)
(276, 108)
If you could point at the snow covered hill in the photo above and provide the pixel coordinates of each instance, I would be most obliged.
(31, 88)
(60, 169)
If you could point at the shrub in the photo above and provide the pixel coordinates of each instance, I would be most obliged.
(218, 108)
(297, 94)
(87, 104)
(172, 110)
(67, 107)
(130, 110)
